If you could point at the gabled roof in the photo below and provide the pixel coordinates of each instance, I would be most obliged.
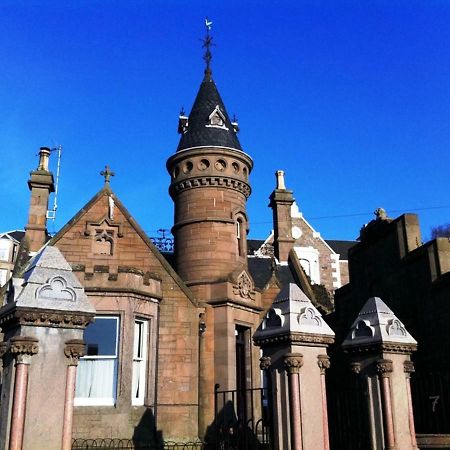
(199, 131)
(341, 247)
(15, 235)
(106, 190)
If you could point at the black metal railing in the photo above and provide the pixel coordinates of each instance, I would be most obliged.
(242, 420)
(130, 444)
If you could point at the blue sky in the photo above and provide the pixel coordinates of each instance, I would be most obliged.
(350, 98)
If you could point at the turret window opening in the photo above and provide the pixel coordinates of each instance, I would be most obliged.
(240, 235)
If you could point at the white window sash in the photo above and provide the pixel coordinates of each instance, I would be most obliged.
(96, 383)
(139, 379)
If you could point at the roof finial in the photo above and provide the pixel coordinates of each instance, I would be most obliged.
(207, 44)
(107, 174)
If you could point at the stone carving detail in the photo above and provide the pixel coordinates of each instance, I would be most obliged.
(323, 361)
(395, 328)
(56, 289)
(104, 224)
(265, 362)
(59, 320)
(362, 329)
(103, 243)
(293, 362)
(309, 317)
(23, 347)
(3, 349)
(384, 367)
(244, 286)
(380, 214)
(355, 367)
(74, 350)
(194, 182)
(408, 367)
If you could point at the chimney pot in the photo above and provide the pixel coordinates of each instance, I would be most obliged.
(44, 155)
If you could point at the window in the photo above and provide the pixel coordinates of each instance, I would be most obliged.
(5, 246)
(240, 234)
(97, 371)
(139, 361)
(3, 276)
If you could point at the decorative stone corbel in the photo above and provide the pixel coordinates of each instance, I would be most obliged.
(293, 362)
(355, 367)
(74, 350)
(384, 367)
(265, 362)
(23, 348)
(323, 361)
(408, 368)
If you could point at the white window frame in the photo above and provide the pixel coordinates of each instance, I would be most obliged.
(3, 276)
(102, 401)
(140, 361)
(5, 250)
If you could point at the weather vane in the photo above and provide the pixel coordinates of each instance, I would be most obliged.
(207, 44)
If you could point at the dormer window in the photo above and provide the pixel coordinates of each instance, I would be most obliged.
(217, 119)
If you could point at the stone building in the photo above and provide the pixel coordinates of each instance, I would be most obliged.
(131, 342)
(167, 329)
(9, 248)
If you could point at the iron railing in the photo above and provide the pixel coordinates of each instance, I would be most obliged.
(130, 444)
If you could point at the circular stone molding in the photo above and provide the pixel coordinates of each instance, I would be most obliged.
(203, 164)
(188, 167)
(296, 232)
(220, 165)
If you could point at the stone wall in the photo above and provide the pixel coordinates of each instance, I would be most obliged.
(116, 283)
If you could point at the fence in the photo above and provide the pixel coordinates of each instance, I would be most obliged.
(129, 444)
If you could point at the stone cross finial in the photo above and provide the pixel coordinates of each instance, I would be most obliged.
(107, 174)
(280, 179)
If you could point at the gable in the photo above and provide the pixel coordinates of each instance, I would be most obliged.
(103, 237)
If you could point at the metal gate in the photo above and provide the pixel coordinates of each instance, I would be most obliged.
(431, 402)
(242, 420)
(347, 411)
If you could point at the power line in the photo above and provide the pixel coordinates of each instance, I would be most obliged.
(338, 216)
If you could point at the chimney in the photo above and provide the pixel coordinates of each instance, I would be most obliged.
(281, 201)
(41, 184)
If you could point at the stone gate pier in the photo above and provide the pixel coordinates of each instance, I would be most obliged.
(380, 347)
(294, 338)
(42, 321)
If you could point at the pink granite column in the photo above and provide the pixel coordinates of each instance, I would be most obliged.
(408, 368)
(22, 348)
(384, 368)
(293, 362)
(324, 363)
(73, 350)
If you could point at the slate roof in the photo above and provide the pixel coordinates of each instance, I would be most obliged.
(261, 270)
(253, 245)
(198, 134)
(341, 247)
(16, 234)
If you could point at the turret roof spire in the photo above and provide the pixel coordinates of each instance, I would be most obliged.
(208, 123)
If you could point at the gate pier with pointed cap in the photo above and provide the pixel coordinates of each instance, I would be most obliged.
(294, 336)
(380, 347)
(42, 323)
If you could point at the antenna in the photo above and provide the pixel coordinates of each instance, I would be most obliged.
(51, 213)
